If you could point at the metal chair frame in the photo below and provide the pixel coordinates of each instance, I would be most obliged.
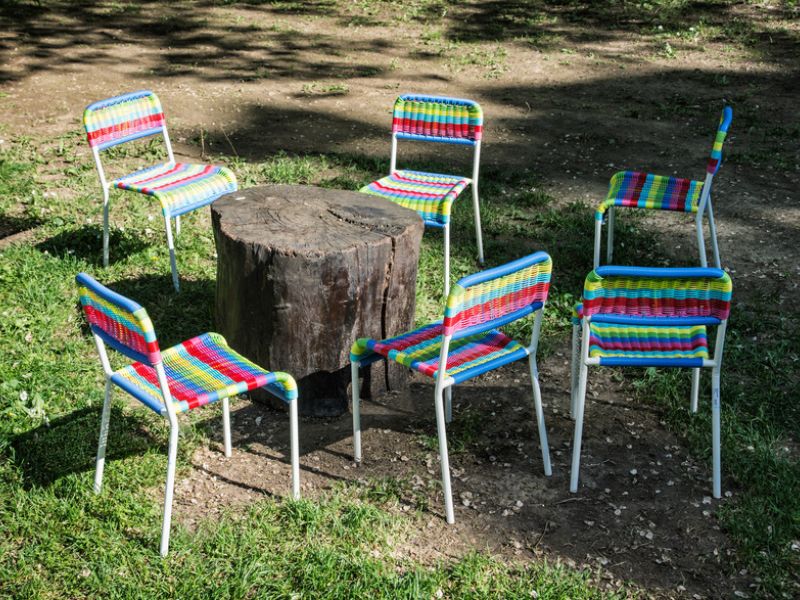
(444, 383)
(101, 338)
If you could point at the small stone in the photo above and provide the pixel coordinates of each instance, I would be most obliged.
(85, 572)
(634, 472)
(706, 499)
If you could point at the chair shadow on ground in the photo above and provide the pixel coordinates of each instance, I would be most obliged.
(68, 444)
(11, 225)
(86, 243)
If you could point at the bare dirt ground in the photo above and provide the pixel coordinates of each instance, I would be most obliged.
(591, 98)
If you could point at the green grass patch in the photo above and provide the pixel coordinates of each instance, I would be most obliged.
(60, 540)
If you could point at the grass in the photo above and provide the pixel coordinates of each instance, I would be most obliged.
(61, 540)
(51, 392)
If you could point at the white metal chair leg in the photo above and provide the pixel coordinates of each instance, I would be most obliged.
(226, 426)
(173, 263)
(695, 389)
(294, 442)
(177, 226)
(105, 228)
(443, 457)
(446, 259)
(598, 235)
(448, 404)
(573, 387)
(610, 241)
(477, 210)
(537, 402)
(715, 434)
(701, 242)
(169, 488)
(101, 445)
(712, 229)
(356, 412)
(576, 444)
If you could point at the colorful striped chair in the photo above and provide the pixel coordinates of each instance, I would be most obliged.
(179, 187)
(650, 317)
(644, 190)
(469, 343)
(434, 119)
(196, 372)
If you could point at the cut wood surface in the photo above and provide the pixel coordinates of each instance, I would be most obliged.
(303, 271)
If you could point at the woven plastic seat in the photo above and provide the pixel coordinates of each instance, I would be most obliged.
(467, 357)
(440, 120)
(633, 189)
(191, 374)
(199, 371)
(468, 341)
(430, 194)
(650, 317)
(179, 187)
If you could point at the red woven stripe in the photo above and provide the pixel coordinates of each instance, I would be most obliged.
(124, 335)
(664, 307)
(713, 163)
(497, 307)
(125, 128)
(408, 340)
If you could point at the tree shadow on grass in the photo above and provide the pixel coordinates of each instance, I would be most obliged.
(68, 444)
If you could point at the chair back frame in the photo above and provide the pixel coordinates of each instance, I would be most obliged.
(102, 338)
(714, 316)
(474, 141)
(531, 298)
(142, 96)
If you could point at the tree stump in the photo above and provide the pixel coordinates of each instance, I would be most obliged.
(302, 272)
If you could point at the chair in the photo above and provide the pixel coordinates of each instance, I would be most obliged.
(645, 190)
(650, 317)
(179, 187)
(468, 343)
(194, 373)
(434, 119)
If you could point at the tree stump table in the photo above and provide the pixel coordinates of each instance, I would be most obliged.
(302, 272)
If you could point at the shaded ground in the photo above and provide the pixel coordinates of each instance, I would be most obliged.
(570, 100)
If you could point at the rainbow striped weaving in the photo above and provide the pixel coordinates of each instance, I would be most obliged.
(430, 194)
(476, 306)
(199, 371)
(122, 119)
(715, 158)
(610, 340)
(420, 349)
(658, 292)
(120, 322)
(435, 118)
(645, 190)
(499, 294)
(180, 187)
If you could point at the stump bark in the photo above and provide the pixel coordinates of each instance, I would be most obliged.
(302, 272)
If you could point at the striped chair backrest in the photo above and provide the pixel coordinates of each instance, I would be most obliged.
(122, 119)
(437, 119)
(694, 292)
(120, 322)
(498, 296)
(716, 151)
